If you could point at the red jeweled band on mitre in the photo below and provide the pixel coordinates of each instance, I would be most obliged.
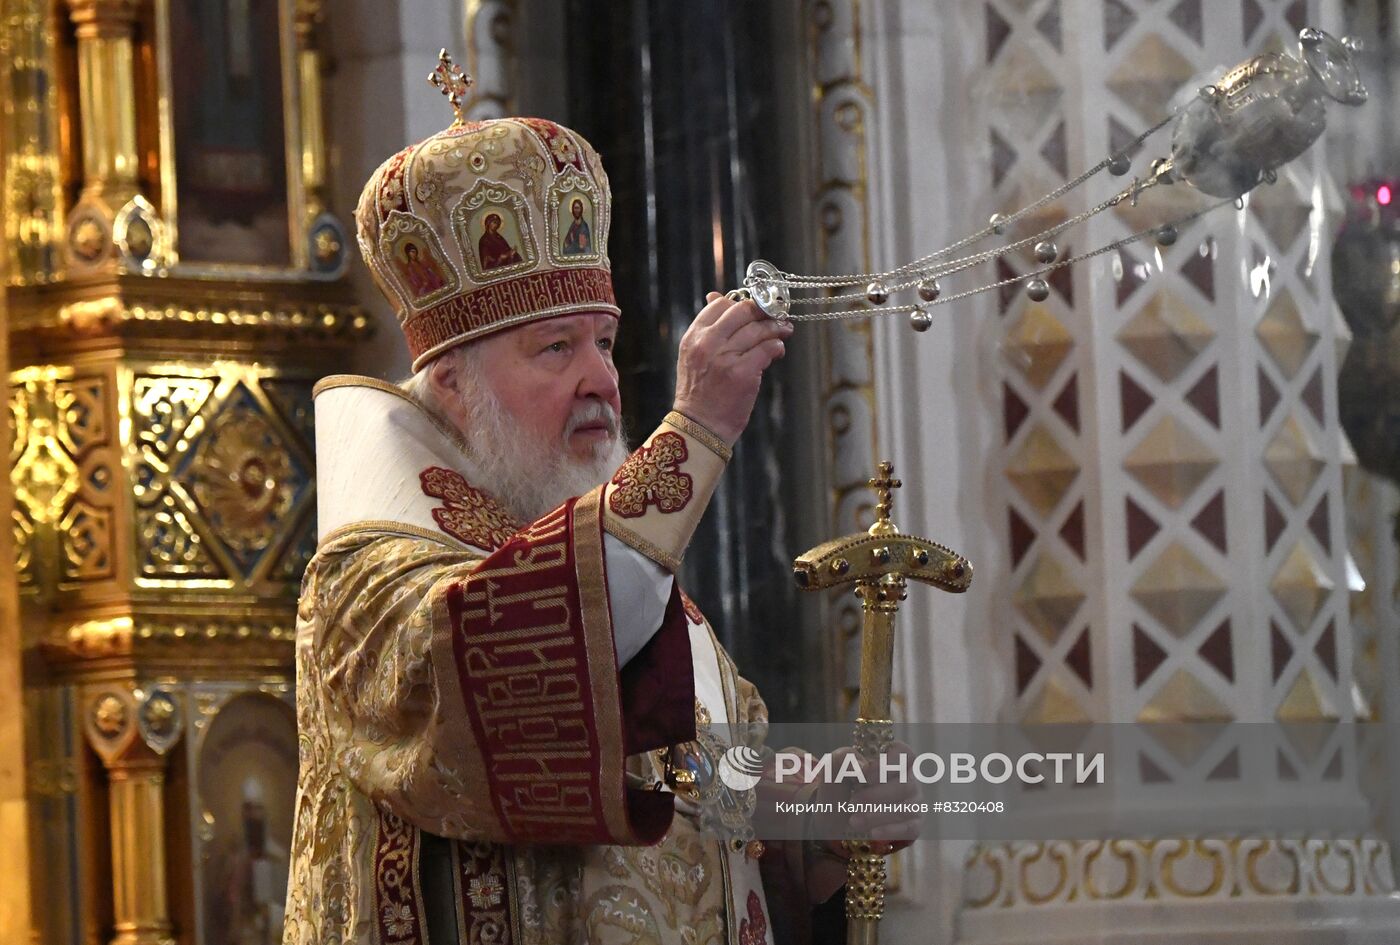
(532, 296)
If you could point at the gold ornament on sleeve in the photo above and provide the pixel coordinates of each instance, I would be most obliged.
(880, 563)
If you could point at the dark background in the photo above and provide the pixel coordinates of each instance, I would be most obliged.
(679, 100)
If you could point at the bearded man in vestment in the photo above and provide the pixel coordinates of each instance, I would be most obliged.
(495, 665)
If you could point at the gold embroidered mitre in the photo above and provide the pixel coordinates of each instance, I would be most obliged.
(486, 225)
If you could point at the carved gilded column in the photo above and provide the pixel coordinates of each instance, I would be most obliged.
(133, 732)
(105, 31)
(309, 14)
(14, 811)
(33, 184)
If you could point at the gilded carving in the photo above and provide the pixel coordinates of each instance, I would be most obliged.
(60, 471)
(298, 554)
(164, 406)
(24, 546)
(159, 720)
(244, 479)
(110, 716)
(169, 545)
(158, 713)
(293, 401)
(85, 543)
(195, 638)
(45, 476)
(80, 403)
(233, 477)
(286, 321)
(133, 456)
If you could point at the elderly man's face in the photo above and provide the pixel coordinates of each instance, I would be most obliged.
(544, 372)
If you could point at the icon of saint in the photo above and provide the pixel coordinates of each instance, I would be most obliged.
(494, 249)
(422, 273)
(255, 869)
(579, 239)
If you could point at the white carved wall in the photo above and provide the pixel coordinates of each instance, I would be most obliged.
(1146, 468)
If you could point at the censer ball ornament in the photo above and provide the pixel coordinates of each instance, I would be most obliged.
(1233, 135)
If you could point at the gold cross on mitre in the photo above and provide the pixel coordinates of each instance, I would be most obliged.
(450, 80)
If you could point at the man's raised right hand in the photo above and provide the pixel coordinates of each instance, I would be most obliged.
(722, 359)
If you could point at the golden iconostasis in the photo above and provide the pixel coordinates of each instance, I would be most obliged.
(174, 288)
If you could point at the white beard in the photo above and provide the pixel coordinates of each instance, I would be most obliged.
(528, 476)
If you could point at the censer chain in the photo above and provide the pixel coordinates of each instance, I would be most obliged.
(958, 296)
(967, 262)
(792, 280)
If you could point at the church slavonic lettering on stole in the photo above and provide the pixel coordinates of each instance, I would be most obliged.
(527, 679)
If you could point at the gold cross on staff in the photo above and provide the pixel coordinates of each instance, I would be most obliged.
(449, 79)
(884, 485)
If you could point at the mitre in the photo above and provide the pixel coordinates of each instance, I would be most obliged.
(486, 225)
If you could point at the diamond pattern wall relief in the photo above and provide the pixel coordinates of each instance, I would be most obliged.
(1183, 698)
(1037, 344)
(1149, 76)
(1169, 477)
(1306, 701)
(1048, 598)
(1166, 335)
(1301, 586)
(1042, 470)
(1284, 334)
(1178, 590)
(1293, 461)
(1171, 462)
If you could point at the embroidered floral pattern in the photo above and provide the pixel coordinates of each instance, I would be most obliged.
(652, 476)
(432, 187)
(485, 891)
(564, 150)
(396, 893)
(469, 515)
(525, 166)
(753, 930)
(561, 146)
(484, 896)
(391, 185)
(398, 921)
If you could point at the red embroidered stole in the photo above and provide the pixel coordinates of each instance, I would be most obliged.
(552, 717)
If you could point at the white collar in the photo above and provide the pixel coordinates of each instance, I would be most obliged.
(376, 451)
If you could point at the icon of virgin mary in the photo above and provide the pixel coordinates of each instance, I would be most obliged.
(493, 248)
